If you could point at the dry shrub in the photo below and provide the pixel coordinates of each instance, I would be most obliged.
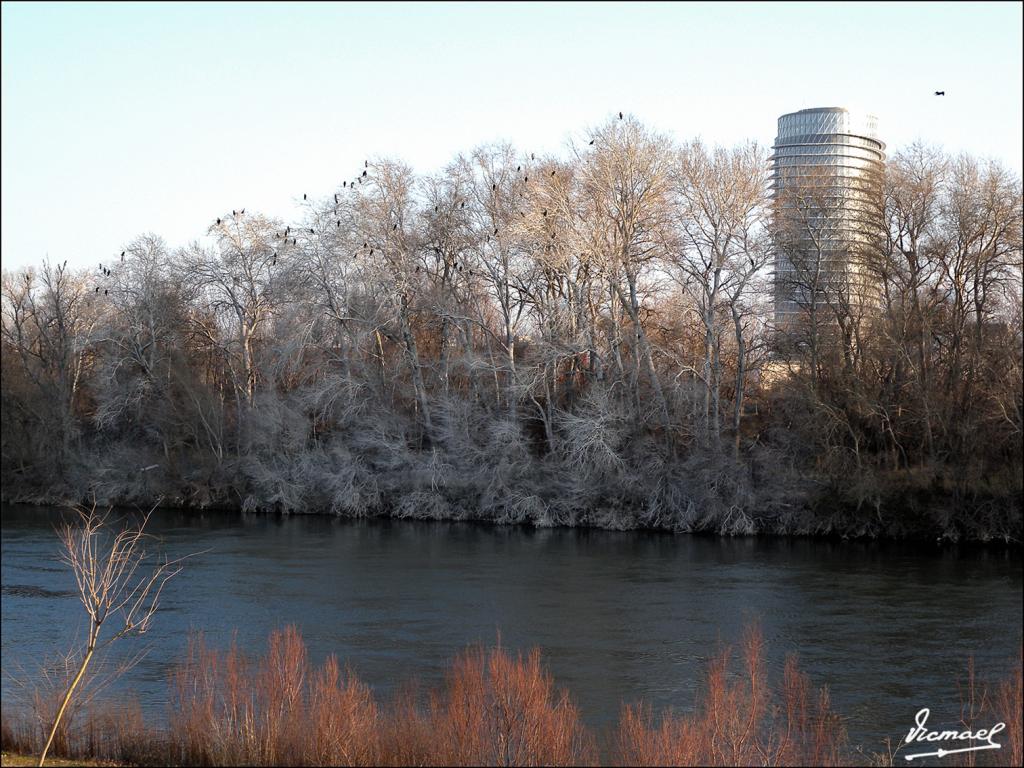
(495, 709)
(500, 710)
(738, 721)
(231, 710)
(1009, 707)
(100, 731)
(343, 722)
(980, 707)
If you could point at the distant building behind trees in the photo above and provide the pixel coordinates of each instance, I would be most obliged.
(826, 180)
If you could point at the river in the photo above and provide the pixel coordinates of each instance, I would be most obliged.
(620, 617)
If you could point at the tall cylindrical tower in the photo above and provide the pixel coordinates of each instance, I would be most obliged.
(826, 173)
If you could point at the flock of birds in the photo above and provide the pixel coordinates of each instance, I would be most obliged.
(359, 179)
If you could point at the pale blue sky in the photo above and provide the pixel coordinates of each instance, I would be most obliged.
(119, 119)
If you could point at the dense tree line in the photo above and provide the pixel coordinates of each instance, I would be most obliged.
(586, 340)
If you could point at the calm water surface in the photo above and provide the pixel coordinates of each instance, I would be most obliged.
(619, 616)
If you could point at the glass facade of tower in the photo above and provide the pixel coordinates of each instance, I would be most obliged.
(827, 164)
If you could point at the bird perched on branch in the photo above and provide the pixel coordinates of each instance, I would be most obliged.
(940, 93)
(620, 115)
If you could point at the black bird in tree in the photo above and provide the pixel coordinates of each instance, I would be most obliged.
(519, 168)
(592, 142)
(335, 199)
(394, 228)
(339, 223)
(312, 231)
(494, 187)
(552, 173)
(295, 241)
(526, 179)
(303, 195)
(106, 292)
(532, 157)
(218, 222)
(234, 212)
(940, 93)
(97, 289)
(495, 230)
(364, 173)
(241, 212)
(122, 255)
(344, 184)
(620, 115)
(366, 164)
(274, 262)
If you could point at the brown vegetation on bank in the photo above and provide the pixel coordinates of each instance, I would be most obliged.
(495, 708)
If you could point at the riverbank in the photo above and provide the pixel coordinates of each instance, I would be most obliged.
(24, 761)
(916, 508)
(495, 708)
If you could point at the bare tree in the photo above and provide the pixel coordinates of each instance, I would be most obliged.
(723, 197)
(117, 580)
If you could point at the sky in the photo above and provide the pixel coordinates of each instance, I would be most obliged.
(120, 119)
